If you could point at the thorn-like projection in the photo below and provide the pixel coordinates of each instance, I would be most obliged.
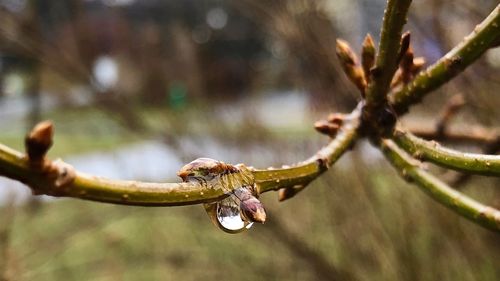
(39, 141)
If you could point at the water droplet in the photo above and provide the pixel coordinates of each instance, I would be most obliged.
(226, 215)
(230, 219)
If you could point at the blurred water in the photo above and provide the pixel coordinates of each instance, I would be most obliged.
(155, 160)
(149, 160)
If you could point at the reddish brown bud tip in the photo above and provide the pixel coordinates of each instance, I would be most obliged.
(369, 44)
(336, 118)
(405, 45)
(368, 56)
(418, 63)
(327, 128)
(39, 141)
(253, 210)
(345, 53)
(289, 192)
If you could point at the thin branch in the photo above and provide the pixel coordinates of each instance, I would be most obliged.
(451, 108)
(461, 179)
(303, 173)
(432, 151)
(470, 134)
(456, 201)
(17, 166)
(454, 62)
(386, 62)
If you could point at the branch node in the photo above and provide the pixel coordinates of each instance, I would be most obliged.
(64, 173)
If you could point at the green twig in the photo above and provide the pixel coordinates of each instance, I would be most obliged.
(303, 173)
(389, 47)
(458, 202)
(454, 62)
(17, 166)
(432, 151)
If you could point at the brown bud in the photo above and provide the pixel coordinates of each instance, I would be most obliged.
(405, 45)
(349, 63)
(253, 210)
(289, 192)
(39, 141)
(336, 118)
(368, 56)
(418, 63)
(327, 128)
(345, 53)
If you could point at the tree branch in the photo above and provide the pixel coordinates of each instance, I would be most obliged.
(469, 134)
(42, 180)
(454, 62)
(432, 151)
(456, 201)
(386, 62)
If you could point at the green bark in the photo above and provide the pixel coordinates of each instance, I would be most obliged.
(432, 151)
(15, 165)
(454, 62)
(456, 201)
(386, 61)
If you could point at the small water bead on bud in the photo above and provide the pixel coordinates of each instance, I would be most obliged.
(240, 209)
(227, 217)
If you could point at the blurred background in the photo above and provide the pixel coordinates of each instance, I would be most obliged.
(137, 88)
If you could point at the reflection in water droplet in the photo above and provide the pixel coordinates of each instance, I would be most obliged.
(229, 217)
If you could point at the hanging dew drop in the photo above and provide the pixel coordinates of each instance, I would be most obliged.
(236, 212)
(229, 217)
